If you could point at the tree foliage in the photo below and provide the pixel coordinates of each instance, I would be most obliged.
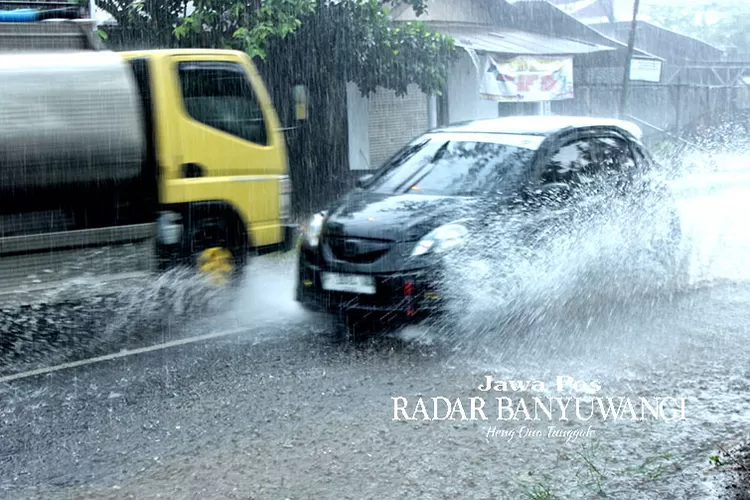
(725, 25)
(370, 49)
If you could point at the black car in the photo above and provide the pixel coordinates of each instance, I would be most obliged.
(375, 253)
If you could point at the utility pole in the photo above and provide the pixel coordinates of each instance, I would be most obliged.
(609, 10)
(629, 59)
(92, 13)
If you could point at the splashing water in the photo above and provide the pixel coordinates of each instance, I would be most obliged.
(90, 317)
(572, 264)
(590, 296)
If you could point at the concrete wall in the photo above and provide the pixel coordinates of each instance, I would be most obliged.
(462, 93)
(358, 109)
(455, 11)
(394, 121)
(667, 107)
(382, 124)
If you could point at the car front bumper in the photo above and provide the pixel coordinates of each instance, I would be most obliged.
(406, 295)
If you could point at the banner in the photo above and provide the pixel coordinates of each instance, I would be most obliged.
(645, 70)
(527, 79)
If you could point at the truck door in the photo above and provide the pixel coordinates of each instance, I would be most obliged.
(228, 144)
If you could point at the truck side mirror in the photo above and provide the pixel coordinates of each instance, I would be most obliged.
(362, 181)
(300, 102)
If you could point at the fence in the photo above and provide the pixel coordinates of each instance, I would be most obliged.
(685, 102)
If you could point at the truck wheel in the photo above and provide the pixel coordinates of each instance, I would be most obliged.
(217, 249)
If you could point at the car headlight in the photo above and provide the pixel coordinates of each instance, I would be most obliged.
(441, 239)
(313, 229)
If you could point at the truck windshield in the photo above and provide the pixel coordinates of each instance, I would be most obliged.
(455, 168)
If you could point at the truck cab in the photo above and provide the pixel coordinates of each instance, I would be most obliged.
(220, 153)
(161, 158)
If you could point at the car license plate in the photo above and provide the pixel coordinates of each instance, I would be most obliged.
(352, 283)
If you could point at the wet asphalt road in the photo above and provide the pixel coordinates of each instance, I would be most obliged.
(280, 409)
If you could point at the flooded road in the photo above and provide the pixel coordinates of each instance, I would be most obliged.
(277, 408)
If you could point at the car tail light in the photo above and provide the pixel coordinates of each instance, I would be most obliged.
(408, 294)
(285, 197)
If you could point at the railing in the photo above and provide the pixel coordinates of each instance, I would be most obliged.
(665, 132)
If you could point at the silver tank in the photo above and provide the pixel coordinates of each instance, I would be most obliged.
(68, 118)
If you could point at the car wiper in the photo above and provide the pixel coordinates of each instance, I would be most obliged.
(427, 168)
(440, 152)
(397, 161)
(406, 154)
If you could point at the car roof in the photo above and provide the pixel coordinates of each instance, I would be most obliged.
(540, 125)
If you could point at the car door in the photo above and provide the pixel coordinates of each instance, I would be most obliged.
(590, 163)
(586, 165)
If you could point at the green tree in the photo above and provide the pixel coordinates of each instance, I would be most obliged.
(378, 52)
(724, 24)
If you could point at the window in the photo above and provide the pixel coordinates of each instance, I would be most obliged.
(219, 95)
(584, 161)
(457, 168)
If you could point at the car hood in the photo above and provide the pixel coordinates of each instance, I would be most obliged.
(408, 217)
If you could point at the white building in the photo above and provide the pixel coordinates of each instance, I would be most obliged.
(482, 29)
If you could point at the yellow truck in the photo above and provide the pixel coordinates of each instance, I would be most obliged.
(176, 151)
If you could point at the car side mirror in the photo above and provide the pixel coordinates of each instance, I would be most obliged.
(362, 181)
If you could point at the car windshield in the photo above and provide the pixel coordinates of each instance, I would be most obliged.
(451, 166)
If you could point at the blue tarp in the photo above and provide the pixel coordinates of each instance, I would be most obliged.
(19, 16)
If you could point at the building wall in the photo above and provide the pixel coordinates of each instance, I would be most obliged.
(394, 121)
(464, 102)
(666, 107)
(358, 108)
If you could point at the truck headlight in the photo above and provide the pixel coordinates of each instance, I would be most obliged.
(313, 229)
(441, 239)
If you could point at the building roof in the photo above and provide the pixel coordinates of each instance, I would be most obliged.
(505, 41)
(672, 46)
(545, 28)
(540, 16)
(540, 125)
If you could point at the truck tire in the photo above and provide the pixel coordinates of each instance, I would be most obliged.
(215, 245)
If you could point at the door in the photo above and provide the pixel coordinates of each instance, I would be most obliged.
(578, 180)
(584, 161)
(223, 129)
(227, 147)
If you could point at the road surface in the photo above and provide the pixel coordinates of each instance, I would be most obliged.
(261, 401)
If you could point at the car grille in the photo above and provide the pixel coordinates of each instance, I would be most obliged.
(357, 251)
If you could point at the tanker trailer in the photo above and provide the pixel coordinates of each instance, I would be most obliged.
(68, 120)
(75, 172)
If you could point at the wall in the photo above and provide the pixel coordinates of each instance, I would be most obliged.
(462, 93)
(667, 107)
(456, 11)
(394, 121)
(358, 109)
